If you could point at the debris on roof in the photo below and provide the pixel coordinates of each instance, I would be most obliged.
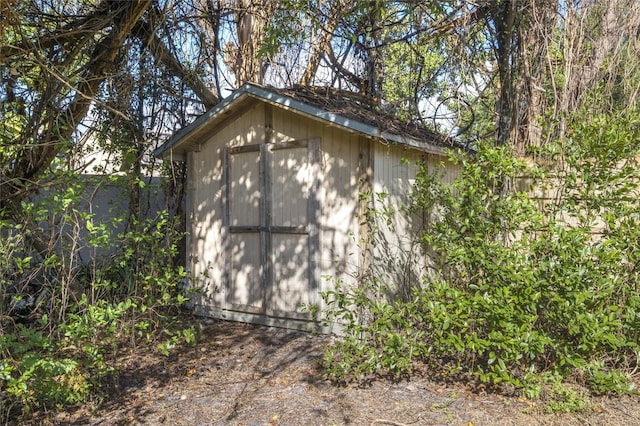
(364, 109)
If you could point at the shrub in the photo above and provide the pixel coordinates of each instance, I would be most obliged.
(64, 321)
(525, 289)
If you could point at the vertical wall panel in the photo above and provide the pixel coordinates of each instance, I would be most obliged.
(290, 187)
(293, 227)
(245, 290)
(205, 209)
(205, 204)
(339, 232)
(289, 126)
(245, 189)
(397, 258)
(290, 273)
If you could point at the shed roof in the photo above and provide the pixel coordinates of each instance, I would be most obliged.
(347, 110)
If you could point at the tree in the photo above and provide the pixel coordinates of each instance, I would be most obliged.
(552, 57)
(56, 61)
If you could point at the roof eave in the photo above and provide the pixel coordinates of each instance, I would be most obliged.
(341, 121)
(287, 103)
(182, 136)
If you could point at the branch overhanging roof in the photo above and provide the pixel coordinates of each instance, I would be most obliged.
(348, 110)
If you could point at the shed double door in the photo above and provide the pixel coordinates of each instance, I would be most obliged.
(271, 234)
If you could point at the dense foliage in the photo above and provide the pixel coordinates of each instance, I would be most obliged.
(64, 319)
(532, 252)
(522, 291)
(535, 277)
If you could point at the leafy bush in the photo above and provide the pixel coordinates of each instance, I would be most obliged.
(64, 321)
(385, 344)
(526, 289)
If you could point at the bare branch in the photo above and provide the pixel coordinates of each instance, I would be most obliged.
(35, 159)
(338, 8)
(164, 56)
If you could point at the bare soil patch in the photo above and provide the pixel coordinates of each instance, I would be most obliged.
(240, 374)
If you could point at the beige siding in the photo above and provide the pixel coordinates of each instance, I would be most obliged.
(340, 171)
(441, 167)
(290, 187)
(340, 229)
(289, 289)
(397, 257)
(205, 203)
(245, 292)
(245, 189)
(290, 274)
(288, 126)
(271, 208)
(246, 129)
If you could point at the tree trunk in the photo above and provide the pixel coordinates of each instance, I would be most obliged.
(338, 8)
(504, 19)
(253, 16)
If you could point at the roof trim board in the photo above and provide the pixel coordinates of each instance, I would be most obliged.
(185, 134)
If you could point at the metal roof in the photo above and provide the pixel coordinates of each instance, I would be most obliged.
(346, 110)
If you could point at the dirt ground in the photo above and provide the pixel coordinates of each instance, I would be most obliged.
(239, 374)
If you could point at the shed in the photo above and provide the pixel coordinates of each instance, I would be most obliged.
(282, 189)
